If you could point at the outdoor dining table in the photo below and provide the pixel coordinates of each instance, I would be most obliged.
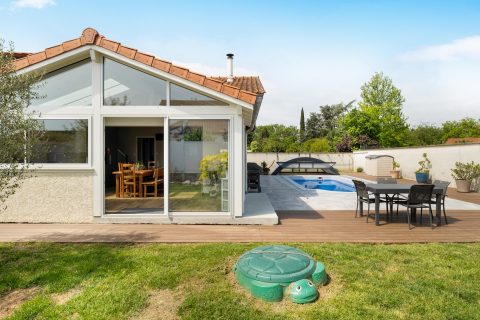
(379, 188)
(139, 173)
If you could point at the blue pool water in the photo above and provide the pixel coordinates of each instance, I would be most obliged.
(325, 184)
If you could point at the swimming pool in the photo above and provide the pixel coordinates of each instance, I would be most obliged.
(324, 184)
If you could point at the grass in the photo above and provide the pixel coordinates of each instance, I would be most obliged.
(189, 197)
(114, 281)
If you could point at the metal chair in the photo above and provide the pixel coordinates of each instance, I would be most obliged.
(364, 196)
(419, 197)
(444, 185)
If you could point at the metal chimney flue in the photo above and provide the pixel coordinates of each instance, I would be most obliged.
(230, 67)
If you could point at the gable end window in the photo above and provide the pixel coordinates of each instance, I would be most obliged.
(67, 86)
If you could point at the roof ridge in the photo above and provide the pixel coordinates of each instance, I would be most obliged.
(90, 36)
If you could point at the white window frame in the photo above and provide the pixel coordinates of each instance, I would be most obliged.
(230, 119)
(101, 170)
(71, 109)
(69, 166)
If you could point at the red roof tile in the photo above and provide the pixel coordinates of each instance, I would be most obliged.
(462, 140)
(247, 83)
(243, 88)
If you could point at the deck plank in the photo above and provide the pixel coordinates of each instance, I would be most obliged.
(295, 226)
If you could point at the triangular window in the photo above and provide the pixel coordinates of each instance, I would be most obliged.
(126, 86)
(68, 86)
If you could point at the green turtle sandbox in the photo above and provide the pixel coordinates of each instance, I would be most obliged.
(270, 272)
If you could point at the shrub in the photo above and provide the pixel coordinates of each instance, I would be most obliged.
(316, 145)
(466, 171)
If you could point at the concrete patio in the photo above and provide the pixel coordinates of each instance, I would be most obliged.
(285, 196)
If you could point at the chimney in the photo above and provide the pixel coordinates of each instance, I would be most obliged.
(230, 67)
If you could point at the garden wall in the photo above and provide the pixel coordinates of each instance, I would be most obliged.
(344, 161)
(443, 158)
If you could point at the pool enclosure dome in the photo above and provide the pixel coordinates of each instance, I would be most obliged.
(305, 165)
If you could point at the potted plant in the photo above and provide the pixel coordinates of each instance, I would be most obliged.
(212, 168)
(423, 173)
(395, 173)
(464, 174)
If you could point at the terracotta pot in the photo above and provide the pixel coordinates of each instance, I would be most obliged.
(463, 185)
(395, 174)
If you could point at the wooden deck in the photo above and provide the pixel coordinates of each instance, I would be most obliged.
(301, 226)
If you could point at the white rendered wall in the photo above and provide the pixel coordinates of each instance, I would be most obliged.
(60, 196)
(344, 161)
(443, 158)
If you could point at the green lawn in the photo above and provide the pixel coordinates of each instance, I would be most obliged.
(188, 197)
(128, 281)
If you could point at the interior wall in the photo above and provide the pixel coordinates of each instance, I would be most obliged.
(125, 139)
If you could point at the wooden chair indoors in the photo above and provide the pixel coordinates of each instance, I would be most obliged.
(155, 183)
(128, 180)
(151, 164)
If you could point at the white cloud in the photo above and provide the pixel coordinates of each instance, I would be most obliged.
(468, 47)
(35, 4)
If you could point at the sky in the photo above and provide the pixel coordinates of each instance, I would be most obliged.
(307, 53)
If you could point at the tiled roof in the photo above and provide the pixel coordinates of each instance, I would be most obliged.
(244, 91)
(247, 83)
(462, 140)
(19, 55)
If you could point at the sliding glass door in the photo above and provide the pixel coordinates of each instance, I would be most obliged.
(198, 165)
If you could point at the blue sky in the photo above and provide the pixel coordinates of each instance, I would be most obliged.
(307, 53)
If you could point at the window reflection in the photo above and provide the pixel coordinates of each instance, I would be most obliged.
(68, 86)
(180, 96)
(125, 86)
(63, 141)
(198, 165)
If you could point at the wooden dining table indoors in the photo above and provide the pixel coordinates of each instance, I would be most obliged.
(139, 173)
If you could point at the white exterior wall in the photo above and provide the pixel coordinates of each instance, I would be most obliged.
(344, 161)
(74, 193)
(443, 158)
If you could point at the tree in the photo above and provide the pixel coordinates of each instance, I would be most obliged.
(276, 138)
(379, 114)
(316, 145)
(464, 128)
(325, 123)
(424, 135)
(19, 131)
(302, 126)
(345, 144)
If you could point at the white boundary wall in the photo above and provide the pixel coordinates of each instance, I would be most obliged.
(344, 161)
(443, 158)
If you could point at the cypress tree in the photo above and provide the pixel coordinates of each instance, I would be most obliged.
(302, 126)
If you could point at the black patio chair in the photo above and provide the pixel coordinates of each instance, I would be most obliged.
(365, 197)
(419, 197)
(444, 185)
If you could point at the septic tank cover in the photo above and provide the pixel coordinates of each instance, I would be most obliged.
(270, 272)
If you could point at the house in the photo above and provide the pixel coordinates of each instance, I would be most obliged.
(462, 140)
(103, 104)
